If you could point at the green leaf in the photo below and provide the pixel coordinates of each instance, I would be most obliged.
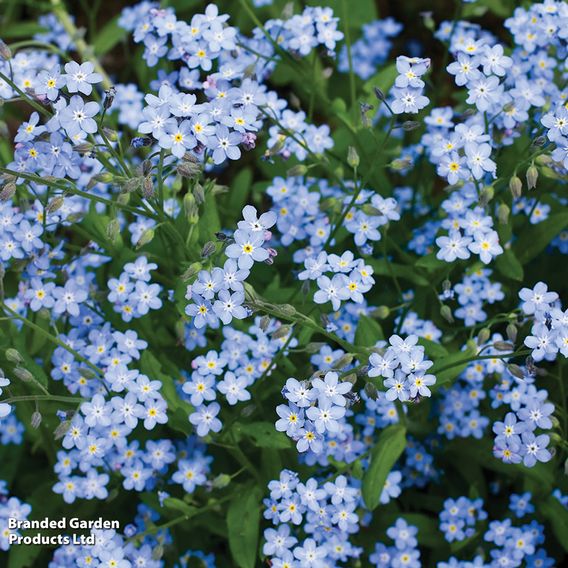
(446, 369)
(108, 37)
(508, 264)
(24, 556)
(430, 262)
(537, 237)
(368, 332)
(557, 516)
(243, 519)
(433, 349)
(399, 270)
(240, 188)
(181, 506)
(387, 450)
(264, 435)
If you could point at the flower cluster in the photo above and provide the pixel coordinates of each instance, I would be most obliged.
(407, 92)
(219, 294)
(403, 366)
(130, 293)
(325, 511)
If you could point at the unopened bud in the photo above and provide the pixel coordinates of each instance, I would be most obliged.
(123, 198)
(539, 141)
(103, 177)
(371, 391)
(516, 371)
(264, 322)
(13, 355)
(8, 191)
(219, 189)
(353, 157)
(132, 184)
(191, 271)
(147, 237)
(516, 186)
(148, 187)
(281, 332)
(298, 170)
(188, 169)
(512, 332)
(483, 335)
(5, 51)
(113, 230)
(486, 195)
(379, 94)
(314, 347)
(503, 346)
(350, 378)
(36, 420)
(208, 249)
(248, 410)
(157, 552)
(189, 205)
(110, 93)
(343, 361)
(221, 481)
(111, 134)
(532, 176)
(409, 125)
(446, 313)
(55, 204)
(401, 163)
(62, 429)
(23, 374)
(199, 194)
(503, 212)
(286, 310)
(381, 312)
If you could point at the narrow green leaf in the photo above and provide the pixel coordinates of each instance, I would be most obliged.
(557, 516)
(368, 332)
(243, 519)
(264, 435)
(181, 506)
(108, 37)
(508, 264)
(387, 450)
(537, 237)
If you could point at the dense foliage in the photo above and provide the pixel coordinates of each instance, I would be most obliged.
(283, 284)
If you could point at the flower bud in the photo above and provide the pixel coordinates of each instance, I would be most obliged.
(221, 481)
(14, 356)
(503, 212)
(343, 361)
(199, 193)
(446, 313)
(191, 271)
(503, 346)
(486, 195)
(314, 347)
(379, 94)
(281, 332)
(123, 198)
(132, 184)
(188, 169)
(483, 335)
(62, 429)
(23, 374)
(353, 157)
(55, 204)
(110, 93)
(286, 310)
(516, 371)
(516, 186)
(350, 378)
(36, 420)
(111, 134)
(512, 332)
(113, 230)
(382, 312)
(298, 170)
(371, 391)
(146, 237)
(264, 322)
(8, 191)
(5, 51)
(208, 249)
(532, 176)
(409, 125)
(148, 187)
